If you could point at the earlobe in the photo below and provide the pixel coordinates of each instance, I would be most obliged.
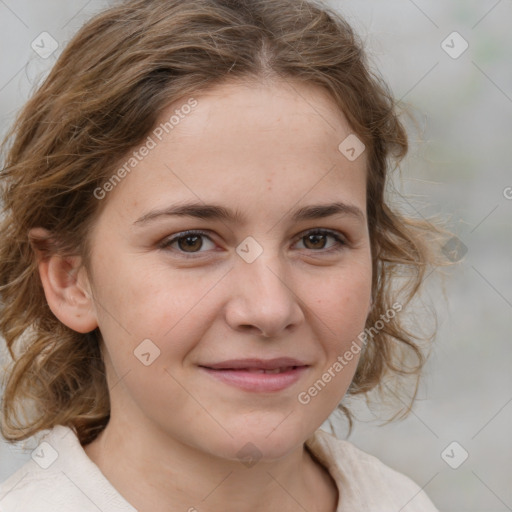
(66, 287)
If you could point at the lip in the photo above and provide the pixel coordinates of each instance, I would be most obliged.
(247, 374)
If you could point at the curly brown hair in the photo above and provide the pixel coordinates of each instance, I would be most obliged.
(100, 100)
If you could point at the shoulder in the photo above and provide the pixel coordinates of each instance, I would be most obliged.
(29, 489)
(59, 476)
(364, 481)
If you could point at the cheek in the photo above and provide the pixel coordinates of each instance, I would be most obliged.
(341, 307)
(144, 298)
(342, 301)
(138, 302)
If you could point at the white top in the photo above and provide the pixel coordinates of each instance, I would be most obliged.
(61, 477)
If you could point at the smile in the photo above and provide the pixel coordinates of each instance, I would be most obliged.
(257, 376)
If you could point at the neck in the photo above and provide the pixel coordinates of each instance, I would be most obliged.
(156, 473)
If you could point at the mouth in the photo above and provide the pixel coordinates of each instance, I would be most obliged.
(259, 370)
(258, 375)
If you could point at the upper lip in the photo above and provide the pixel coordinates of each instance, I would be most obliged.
(263, 364)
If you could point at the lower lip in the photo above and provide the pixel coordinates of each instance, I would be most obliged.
(258, 382)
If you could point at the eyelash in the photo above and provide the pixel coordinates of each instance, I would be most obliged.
(340, 241)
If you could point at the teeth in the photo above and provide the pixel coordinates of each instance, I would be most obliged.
(275, 370)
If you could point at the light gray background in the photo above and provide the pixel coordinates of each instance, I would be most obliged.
(459, 167)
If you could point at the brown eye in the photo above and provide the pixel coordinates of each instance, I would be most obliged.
(317, 240)
(190, 243)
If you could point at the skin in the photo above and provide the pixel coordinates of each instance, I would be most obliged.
(263, 149)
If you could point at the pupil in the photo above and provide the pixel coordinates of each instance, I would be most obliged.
(190, 245)
(315, 239)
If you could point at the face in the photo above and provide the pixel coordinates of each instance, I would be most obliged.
(231, 271)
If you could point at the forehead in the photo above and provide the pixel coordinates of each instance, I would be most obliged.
(247, 143)
(248, 110)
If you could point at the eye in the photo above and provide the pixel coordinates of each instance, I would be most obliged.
(188, 242)
(316, 240)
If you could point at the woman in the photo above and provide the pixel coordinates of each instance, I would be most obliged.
(199, 262)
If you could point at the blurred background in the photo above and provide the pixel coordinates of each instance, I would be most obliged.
(451, 62)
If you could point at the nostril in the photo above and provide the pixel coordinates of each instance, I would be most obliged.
(249, 328)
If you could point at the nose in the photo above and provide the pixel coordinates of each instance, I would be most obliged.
(263, 300)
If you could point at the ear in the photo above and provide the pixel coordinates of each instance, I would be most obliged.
(65, 283)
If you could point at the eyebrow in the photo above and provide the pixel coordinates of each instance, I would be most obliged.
(217, 212)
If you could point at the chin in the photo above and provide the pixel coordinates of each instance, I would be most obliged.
(250, 450)
(264, 440)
